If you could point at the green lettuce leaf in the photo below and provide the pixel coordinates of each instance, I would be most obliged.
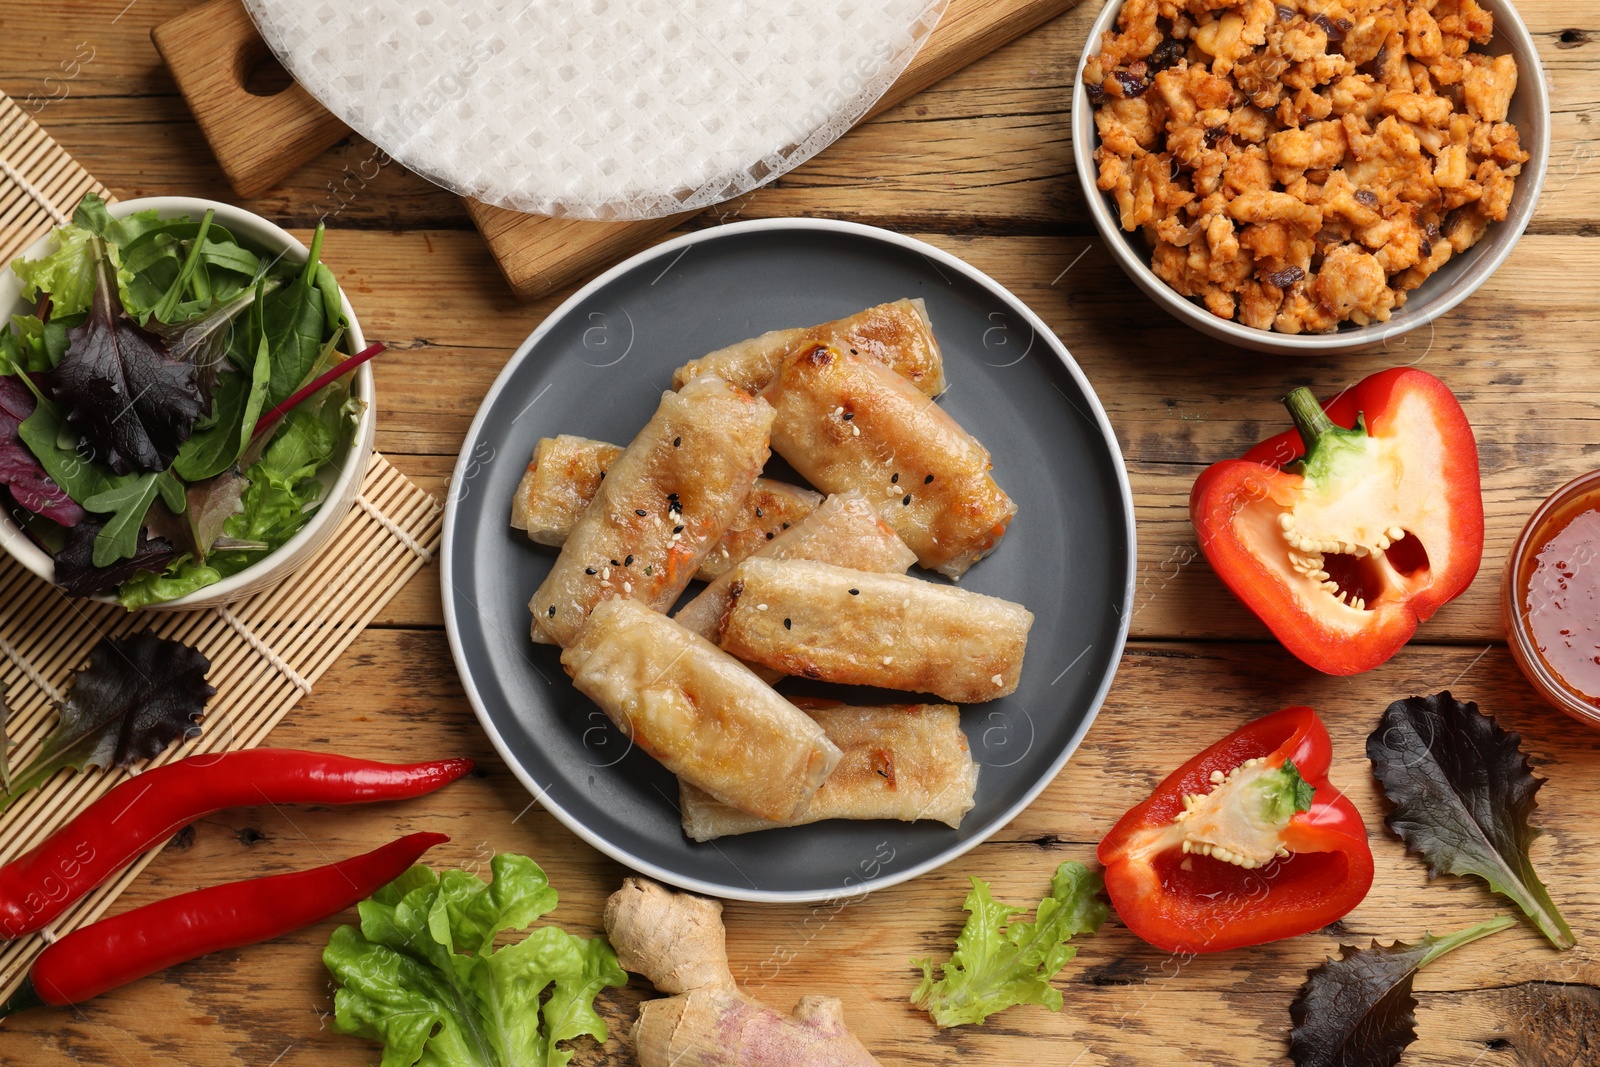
(275, 508)
(421, 974)
(1000, 961)
(67, 274)
(235, 406)
(36, 345)
(183, 577)
(283, 481)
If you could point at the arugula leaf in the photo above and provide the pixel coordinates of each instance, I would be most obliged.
(138, 695)
(421, 974)
(1358, 1010)
(296, 319)
(132, 403)
(1463, 794)
(999, 962)
(67, 274)
(126, 503)
(20, 470)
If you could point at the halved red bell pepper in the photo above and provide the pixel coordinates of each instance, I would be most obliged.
(1244, 844)
(1343, 544)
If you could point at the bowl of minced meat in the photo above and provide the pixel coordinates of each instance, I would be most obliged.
(1310, 176)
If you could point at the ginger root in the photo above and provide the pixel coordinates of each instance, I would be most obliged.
(678, 942)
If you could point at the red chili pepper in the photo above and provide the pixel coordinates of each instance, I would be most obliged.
(126, 947)
(42, 883)
(1374, 526)
(1244, 844)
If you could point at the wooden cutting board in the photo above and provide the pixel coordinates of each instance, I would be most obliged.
(261, 135)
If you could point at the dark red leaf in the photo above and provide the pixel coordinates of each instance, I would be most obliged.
(1464, 796)
(211, 503)
(132, 402)
(77, 574)
(20, 470)
(138, 695)
(1358, 1010)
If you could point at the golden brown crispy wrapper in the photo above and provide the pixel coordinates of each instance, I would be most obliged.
(902, 761)
(814, 620)
(844, 423)
(845, 530)
(898, 335)
(565, 473)
(665, 501)
(699, 711)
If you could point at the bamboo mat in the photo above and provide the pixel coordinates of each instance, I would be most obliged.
(266, 652)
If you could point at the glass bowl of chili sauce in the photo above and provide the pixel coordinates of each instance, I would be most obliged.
(1551, 599)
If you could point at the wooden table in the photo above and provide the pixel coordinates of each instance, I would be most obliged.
(979, 165)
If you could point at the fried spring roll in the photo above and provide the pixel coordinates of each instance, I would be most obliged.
(769, 511)
(699, 711)
(898, 335)
(662, 506)
(562, 477)
(816, 620)
(566, 471)
(904, 761)
(848, 423)
(845, 530)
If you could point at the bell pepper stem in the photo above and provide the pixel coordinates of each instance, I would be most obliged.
(1309, 418)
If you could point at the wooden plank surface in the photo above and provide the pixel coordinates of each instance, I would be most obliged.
(980, 166)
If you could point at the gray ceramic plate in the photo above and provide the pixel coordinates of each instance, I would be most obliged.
(597, 366)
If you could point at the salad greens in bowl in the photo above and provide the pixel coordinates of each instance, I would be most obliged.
(185, 410)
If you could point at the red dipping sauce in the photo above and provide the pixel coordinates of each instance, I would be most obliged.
(1552, 599)
(1564, 603)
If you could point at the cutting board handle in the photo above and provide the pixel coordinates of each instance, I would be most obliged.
(260, 135)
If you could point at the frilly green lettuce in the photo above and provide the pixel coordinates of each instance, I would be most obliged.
(999, 962)
(421, 974)
(66, 273)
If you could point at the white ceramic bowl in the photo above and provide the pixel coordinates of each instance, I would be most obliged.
(1454, 282)
(341, 478)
